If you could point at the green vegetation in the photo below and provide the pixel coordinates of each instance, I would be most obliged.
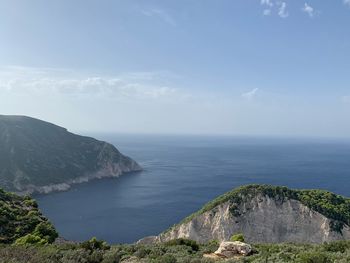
(237, 237)
(183, 242)
(333, 206)
(37, 153)
(178, 251)
(22, 222)
(26, 236)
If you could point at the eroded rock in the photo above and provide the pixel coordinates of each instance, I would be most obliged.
(233, 249)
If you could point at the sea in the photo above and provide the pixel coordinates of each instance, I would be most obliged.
(182, 173)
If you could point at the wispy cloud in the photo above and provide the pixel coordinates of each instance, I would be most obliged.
(250, 95)
(346, 2)
(141, 86)
(161, 14)
(267, 3)
(309, 10)
(282, 9)
(271, 6)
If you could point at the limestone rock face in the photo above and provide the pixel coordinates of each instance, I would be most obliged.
(231, 249)
(261, 219)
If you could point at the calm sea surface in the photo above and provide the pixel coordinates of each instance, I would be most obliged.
(183, 173)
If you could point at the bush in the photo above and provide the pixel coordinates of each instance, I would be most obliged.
(336, 246)
(168, 259)
(211, 246)
(46, 231)
(314, 257)
(237, 237)
(183, 242)
(94, 244)
(31, 239)
(141, 252)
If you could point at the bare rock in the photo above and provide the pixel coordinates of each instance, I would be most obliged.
(233, 249)
(147, 240)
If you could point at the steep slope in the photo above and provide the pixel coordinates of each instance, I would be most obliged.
(20, 219)
(268, 214)
(37, 156)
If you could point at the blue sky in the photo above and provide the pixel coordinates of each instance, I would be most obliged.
(240, 67)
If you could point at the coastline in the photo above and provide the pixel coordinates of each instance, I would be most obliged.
(108, 172)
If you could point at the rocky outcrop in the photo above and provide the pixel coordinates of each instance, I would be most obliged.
(231, 249)
(37, 156)
(261, 218)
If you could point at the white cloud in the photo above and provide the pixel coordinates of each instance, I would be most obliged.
(309, 10)
(282, 10)
(251, 94)
(141, 86)
(267, 12)
(347, 2)
(161, 14)
(266, 2)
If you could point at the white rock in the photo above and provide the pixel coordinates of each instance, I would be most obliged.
(261, 220)
(231, 249)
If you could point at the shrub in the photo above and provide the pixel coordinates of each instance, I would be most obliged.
(183, 242)
(211, 246)
(31, 239)
(141, 252)
(46, 231)
(314, 257)
(168, 259)
(336, 246)
(237, 237)
(94, 244)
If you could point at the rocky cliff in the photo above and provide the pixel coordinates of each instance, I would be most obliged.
(268, 214)
(37, 156)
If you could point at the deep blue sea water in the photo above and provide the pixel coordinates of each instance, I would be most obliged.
(182, 173)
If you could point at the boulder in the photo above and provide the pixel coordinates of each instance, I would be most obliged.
(232, 249)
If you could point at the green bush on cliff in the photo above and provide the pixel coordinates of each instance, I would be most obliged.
(31, 239)
(94, 244)
(237, 237)
(183, 242)
(21, 221)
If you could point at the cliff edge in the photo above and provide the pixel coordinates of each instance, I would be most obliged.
(267, 214)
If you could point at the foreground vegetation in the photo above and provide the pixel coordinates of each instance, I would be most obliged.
(22, 222)
(181, 250)
(27, 236)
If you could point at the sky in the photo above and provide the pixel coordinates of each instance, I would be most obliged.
(229, 67)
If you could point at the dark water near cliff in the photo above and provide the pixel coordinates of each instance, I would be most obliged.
(183, 173)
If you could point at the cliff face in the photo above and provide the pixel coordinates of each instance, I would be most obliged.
(37, 156)
(261, 218)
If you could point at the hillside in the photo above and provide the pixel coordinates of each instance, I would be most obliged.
(37, 156)
(267, 214)
(20, 220)
(26, 236)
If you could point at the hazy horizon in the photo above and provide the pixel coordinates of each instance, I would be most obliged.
(229, 68)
